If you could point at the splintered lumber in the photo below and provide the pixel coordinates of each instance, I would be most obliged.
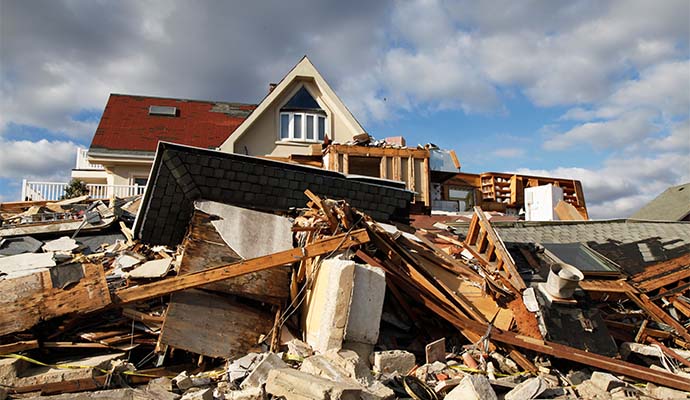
(212, 325)
(182, 282)
(204, 248)
(662, 274)
(29, 299)
(564, 352)
(658, 314)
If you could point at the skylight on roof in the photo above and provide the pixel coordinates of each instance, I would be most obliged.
(163, 110)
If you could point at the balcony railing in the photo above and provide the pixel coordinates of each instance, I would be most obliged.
(83, 161)
(53, 191)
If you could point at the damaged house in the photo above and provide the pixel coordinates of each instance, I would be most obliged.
(288, 254)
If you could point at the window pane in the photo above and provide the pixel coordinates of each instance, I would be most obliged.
(284, 126)
(310, 127)
(297, 127)
(322, 127)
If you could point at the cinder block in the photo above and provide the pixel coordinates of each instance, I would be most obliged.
(393, 361)
(364, 318)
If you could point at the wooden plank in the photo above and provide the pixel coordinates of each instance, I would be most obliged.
(606, 286)
(567, 212)
(669, 352)
(473, 231)
(426, 185)
(346, 163)
(176, 284)
(212, 325)
(653, 284)
(327, 211)
(26, 300)
(378, 151)
(397, 169)
(454, 157)
(205, 248)
(383, 169)
(18, 346)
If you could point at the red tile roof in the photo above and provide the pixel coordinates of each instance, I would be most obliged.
(127, 125)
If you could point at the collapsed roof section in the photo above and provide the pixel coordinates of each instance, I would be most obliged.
(182, 174)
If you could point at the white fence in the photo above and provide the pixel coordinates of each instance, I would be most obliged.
(52, 191)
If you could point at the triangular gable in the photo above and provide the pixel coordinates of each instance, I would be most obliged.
(303, 70)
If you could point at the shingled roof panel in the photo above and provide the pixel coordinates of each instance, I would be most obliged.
(127, 125)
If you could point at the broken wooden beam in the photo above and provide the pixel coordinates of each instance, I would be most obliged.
(182, 282)
(18, 346)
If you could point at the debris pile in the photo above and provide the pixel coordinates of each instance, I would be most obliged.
(325, 303)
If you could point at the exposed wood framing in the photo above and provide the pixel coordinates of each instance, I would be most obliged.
(409, 165)
(489, 248)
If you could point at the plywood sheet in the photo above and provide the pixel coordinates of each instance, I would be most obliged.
(212, 325)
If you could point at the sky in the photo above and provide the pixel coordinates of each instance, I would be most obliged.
(592, 90)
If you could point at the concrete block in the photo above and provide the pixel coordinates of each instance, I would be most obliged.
(182, 381)
(472, 387)
(254, 393)
(258, 376)
(529, 389)
(392, 361)
(297, 385)
(198, 394)
(366, 306)
(606, 381)
(328, 305)
(161, 388)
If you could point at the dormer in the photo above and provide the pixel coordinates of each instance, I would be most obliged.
(299, 111)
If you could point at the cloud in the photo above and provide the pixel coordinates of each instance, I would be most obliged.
(509, 152)
(630, 127)
(41, 160)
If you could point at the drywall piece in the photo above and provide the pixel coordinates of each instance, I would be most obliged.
(328, 304)
(541, 201)
(65, 243)
(151, 269)
(25, 264)
(364, 317)
(249, 233)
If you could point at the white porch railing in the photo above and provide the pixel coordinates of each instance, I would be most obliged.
(52, 191)
(83, 161)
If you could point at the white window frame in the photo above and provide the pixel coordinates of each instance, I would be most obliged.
(291, 126)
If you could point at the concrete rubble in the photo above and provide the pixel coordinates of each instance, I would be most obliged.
(323, 302)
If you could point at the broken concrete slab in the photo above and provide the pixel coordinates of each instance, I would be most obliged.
(162, 388)
(366, 306)
(249, 233)
(472, 387)
(112, 394)
(259, 375)
(198, 394)
(297, 385)
(393, 361)
(243, 366)
(529, 389)
(63, 244)
(328, 303)
(606, 381)
(299, 349)
(30, 375)
(151, 269)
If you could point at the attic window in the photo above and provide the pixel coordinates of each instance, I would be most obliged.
(302, 119)
(163, 110)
